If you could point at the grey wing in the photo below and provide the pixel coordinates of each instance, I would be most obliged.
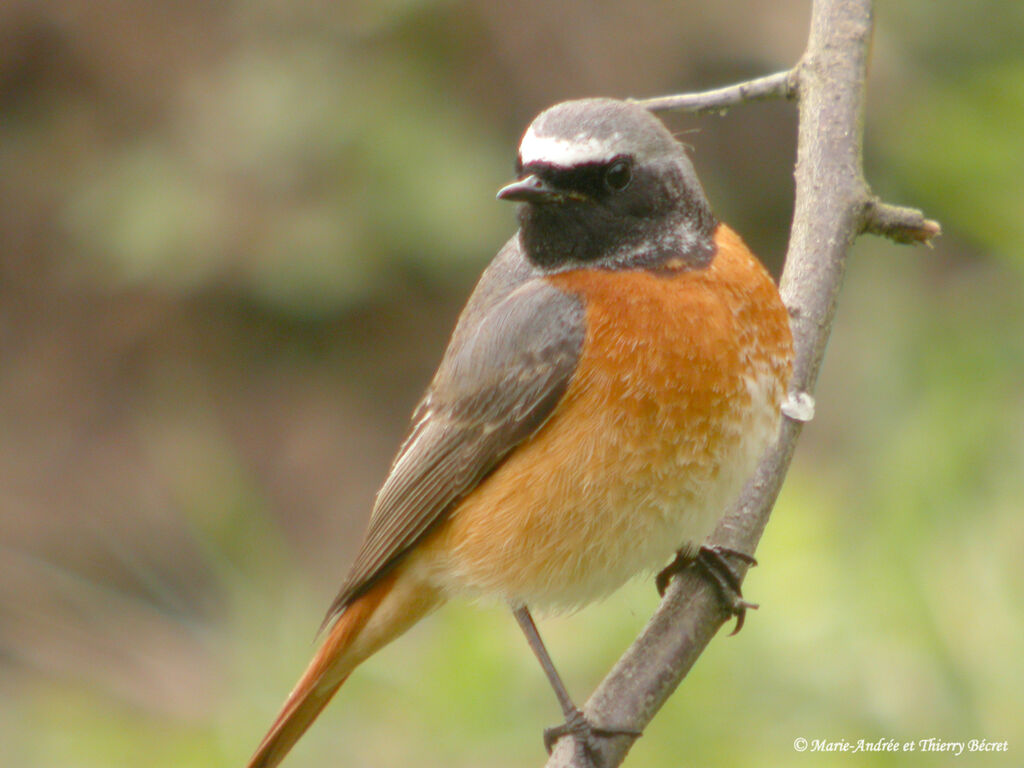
(506, 368)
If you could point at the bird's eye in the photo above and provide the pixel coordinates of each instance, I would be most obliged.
(618, 175)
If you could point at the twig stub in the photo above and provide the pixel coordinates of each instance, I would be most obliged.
(781, 85)
(898, 223)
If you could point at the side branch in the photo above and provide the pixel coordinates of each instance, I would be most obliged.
(781, 85)
(903, 225)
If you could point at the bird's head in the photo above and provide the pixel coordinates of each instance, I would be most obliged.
(605, 183)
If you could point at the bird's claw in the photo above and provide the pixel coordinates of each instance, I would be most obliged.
(713, 564)
(585, 734)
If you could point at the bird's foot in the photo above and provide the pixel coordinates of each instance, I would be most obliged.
(585, 734)
(712, 563)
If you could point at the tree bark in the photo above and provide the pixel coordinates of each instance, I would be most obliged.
(833, 206)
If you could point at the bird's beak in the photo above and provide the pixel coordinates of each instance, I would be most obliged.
(530, 189)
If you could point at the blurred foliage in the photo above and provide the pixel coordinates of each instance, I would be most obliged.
(950, 112)
(234, 238)
(299, 171)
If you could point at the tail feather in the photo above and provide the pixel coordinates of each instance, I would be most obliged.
(345, 646)
(298, 714)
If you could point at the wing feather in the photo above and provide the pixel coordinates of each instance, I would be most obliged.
(508, 364)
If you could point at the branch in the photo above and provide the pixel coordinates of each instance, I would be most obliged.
(902, 225)
(833, 206)
(781, 85)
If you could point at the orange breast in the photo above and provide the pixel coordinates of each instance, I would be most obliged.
(676, 396)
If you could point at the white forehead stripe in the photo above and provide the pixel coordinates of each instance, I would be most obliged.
(556, 150)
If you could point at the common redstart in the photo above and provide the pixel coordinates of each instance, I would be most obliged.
(612, 382)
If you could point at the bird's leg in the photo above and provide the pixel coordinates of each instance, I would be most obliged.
(713, 564)
(576, 723)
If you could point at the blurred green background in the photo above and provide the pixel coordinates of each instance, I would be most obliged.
(233, 238)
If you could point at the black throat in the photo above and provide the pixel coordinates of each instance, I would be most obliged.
(645, 231)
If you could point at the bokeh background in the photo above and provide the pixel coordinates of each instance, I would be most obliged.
(233, 238)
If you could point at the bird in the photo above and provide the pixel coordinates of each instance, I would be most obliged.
(613, 380)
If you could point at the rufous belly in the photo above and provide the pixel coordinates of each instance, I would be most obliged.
(676, 397)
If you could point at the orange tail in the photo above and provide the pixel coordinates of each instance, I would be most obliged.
(381, 614)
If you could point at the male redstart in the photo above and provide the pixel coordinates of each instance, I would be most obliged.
(613, 380)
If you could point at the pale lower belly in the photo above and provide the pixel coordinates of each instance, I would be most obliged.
(570, 516)
(559, 539)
